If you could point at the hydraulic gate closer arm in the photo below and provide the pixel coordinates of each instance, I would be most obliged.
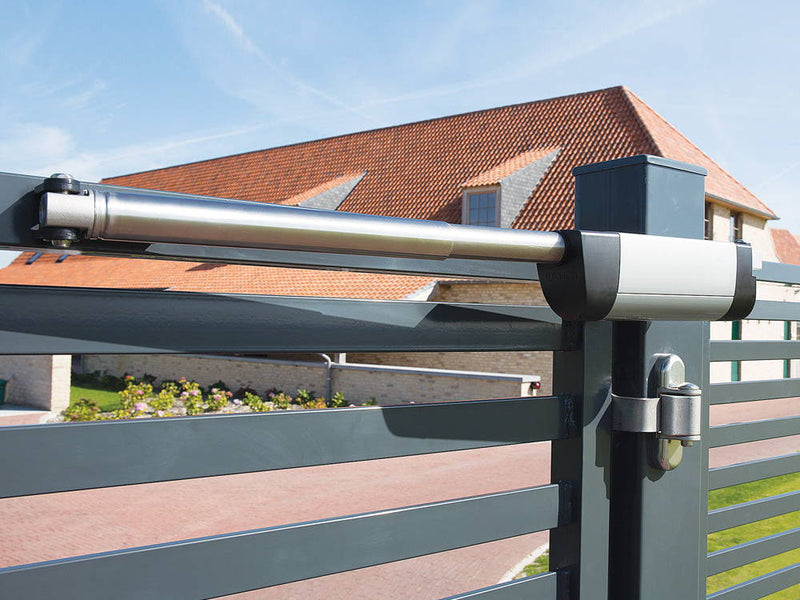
(584, 275)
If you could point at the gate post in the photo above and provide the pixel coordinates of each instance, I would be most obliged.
(657, 541)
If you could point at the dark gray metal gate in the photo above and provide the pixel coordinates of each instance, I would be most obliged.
(620, 529)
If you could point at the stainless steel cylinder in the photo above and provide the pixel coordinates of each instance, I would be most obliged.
(172, 218)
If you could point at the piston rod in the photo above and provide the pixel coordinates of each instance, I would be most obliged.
(118, 215)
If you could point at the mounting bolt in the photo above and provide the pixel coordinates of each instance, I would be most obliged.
(58, 183)
(61, 183)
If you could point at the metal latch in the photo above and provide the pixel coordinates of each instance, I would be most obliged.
(673, 413)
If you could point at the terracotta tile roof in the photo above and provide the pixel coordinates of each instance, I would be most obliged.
(99, 272)
(508, 167)
(787, 246)
(417, 170)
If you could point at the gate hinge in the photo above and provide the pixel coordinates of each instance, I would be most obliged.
(673, 414)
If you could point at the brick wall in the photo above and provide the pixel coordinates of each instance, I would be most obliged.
(359, 383)
(40, 381)
(528, 363)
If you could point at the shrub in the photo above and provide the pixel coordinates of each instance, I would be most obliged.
(83, 409)
(217, 399)
(316, 403)
(219, 385)
(163, 403)
(191, 395)
(133, 394)
(280, 400)
(86, 379)
(112, 382)
(338, 401)
(255, 402)
(244, 390)
(304, 397)
(370, 402)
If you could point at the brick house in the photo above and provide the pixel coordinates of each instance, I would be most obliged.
(508, 167)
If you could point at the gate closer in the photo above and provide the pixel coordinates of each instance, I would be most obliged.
(585, 276)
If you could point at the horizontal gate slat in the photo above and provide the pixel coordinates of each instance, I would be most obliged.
(50, 320)
(537, 587)
(779, 273)
(775, 311)
(48, 458)
(760, 586)
(238, 562)
(740, 433)
(748, 552)
(755, 510)
(750, 350)
(755, 470)
(745, 391)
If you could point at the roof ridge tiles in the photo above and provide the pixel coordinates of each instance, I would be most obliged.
(626, 95)
(376, 129)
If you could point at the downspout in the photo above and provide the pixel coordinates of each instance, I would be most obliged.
(328, 376)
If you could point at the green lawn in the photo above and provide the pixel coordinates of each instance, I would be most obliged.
(737, 535)
(106, 400)
(752, 531)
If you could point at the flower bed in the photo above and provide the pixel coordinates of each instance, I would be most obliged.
(179, 398)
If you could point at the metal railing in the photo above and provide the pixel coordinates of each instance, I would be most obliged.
(749, 512)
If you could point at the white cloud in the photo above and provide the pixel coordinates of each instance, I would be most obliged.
(582, 39)
(281, 78)
(27, 142)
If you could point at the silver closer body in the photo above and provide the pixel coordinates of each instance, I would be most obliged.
(584, 275)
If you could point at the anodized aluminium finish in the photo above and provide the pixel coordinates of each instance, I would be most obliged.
(754, 470)
(745, 391)
(538, 587)
(775, 311)
(779, 273)
(44, 320)
(276, 555)
(19, 205)
(757, 588)
(579, 550)
(754, 510)
(752, 551)
(60, 457)
(754, 350)
(753, 431)
(652, 196)
(133, 216)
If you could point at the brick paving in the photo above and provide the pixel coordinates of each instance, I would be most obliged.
(54, 526)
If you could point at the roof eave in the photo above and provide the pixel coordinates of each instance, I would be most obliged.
(769, 216)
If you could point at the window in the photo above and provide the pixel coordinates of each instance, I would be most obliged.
(736, 227)
(736, 365)
(708, 222)
(481, 208)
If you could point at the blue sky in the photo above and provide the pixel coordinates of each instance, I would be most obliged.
(105, 88)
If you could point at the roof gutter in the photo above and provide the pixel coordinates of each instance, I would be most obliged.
(744, 208)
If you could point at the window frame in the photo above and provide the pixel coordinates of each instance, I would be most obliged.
(708, 221)
(736, 226)
(465, 203)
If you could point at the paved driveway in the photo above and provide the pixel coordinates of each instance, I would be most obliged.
(58, 525)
